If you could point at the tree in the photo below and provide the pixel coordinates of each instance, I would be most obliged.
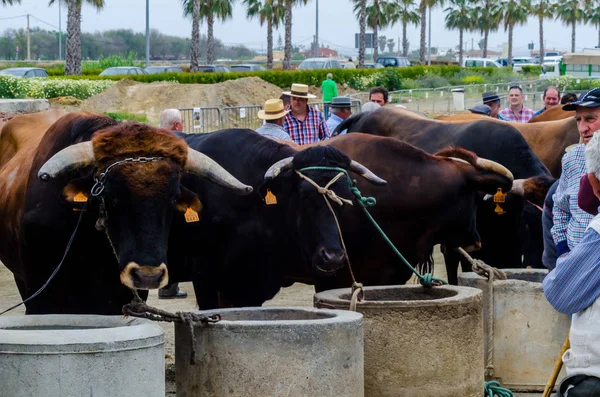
(195, 47)
(515, 12)
(407, 15)
(592, 12)
(287, 53)
(209, 10)
(542, 9)
(423, 10)
(73, 55)
(570, 12)
(488, 15)
(382, 41)
(459, 17)
(380, 14)
(391, 43)
(271, 12)
(362, 22)
(10, 2)
(280, 41)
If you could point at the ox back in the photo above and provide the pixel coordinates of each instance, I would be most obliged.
(501, 246)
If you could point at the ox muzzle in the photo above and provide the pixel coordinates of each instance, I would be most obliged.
(144, 277)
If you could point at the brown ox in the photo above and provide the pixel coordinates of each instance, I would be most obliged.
(553, 114)
(548, 139)
(130, 174)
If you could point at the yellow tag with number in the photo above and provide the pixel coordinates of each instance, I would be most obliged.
(80, 198)
(191, 216)
(270, 198)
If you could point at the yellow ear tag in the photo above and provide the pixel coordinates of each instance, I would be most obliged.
(499, 198)
(270, 198)
(191, 216)
(80, 198)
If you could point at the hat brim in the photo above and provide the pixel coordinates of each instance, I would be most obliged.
(478, 112)
(307, 96)
(583, 104)
(263, 116)
(340, 105)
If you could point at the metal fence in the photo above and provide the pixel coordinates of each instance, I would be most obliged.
(324, 106)
(201, 120)
(241, 117)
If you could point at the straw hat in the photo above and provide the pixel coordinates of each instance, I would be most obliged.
(300, 91)
(273, 110)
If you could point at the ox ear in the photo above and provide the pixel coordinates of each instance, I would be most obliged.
(189, 204)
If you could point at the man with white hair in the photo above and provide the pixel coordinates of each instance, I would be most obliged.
(329, 88)
(171, 120)
(573, 287)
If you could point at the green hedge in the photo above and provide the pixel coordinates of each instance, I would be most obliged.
(532, 70)
(16, 87)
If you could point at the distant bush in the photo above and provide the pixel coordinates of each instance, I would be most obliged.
(531, 70)
(126, 116)
(16, 87)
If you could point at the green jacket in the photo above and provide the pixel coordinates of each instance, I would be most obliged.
(329, 89)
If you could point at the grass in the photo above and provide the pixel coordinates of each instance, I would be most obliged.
(126, 116)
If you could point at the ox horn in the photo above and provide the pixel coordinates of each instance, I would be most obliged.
(495, 167)
(276, 169)
(518, 187)
(366, 173)
(202, 165)
(70, 158)
(459, 160)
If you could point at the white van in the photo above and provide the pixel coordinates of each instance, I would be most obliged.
(480, 63)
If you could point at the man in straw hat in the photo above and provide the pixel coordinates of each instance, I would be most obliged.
(273, 113)
(304, 123)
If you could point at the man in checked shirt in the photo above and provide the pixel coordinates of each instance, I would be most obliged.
(570, 221)
(304, 123)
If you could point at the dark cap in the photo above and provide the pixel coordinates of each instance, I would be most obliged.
(590, 99)
(490, 96)
(481, 109)
(340, 102)
(580, 386)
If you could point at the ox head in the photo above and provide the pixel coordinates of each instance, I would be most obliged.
(476, 176)
(308, 213)
(137, 173)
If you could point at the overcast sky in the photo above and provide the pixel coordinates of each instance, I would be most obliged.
(337, 25)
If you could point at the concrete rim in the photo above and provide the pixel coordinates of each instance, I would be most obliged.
(335, 317)
(98, 333)
(533, 285)
(336, 297)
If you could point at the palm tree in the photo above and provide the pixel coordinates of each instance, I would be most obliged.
(542, 9)
(287, 52)
(459, 17)
(195, 50)
(10, 2)
(271, 12)
(423, 10)
(570, 12)
(407, 15)
(73, 55)
(592, 12)
(362, 22)
(209, 9)
(488, 15)
(515, 12)
(391, 43)
(380, 14)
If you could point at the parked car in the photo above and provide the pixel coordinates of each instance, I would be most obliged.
(213, 69)
(319, 63)
(549, 56)
(393, 62)
(518, 63)
(373, 65)
(480, 63)
(25, 72)
(163, 69)
(118, 70)
(247, 67)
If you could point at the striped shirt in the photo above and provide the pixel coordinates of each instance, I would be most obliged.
(520, 117)
(312, 129)
(570, 221)
(575, 282)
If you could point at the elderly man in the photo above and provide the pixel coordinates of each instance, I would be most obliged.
(379, 95)
(492, 100)
(273, 113)
(481, 109)
(340, 109)
(171, 120)
(551, 98)
(570, 221)
(304, 124)
(516, 112)
(573, 287)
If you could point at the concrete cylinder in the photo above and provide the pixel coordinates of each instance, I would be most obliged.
(80, 355)
(272, 351)
(528, 332)
(425, 342)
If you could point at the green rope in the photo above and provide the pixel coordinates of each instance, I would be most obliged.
(426, 280)
(493, 388)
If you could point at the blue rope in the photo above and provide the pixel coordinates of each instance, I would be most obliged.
(493, 388)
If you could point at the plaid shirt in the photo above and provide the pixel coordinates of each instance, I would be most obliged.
(312, 129)
(522, 117)
(570, 221)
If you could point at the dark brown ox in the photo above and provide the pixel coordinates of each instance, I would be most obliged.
(129, 174)
(547, 139)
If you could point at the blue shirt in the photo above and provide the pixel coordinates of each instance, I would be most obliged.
(502, 118)
(271, 130)
(333, 121)
(575, 282)
(538, 112)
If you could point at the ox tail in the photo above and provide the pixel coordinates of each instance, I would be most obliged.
(349, 123)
